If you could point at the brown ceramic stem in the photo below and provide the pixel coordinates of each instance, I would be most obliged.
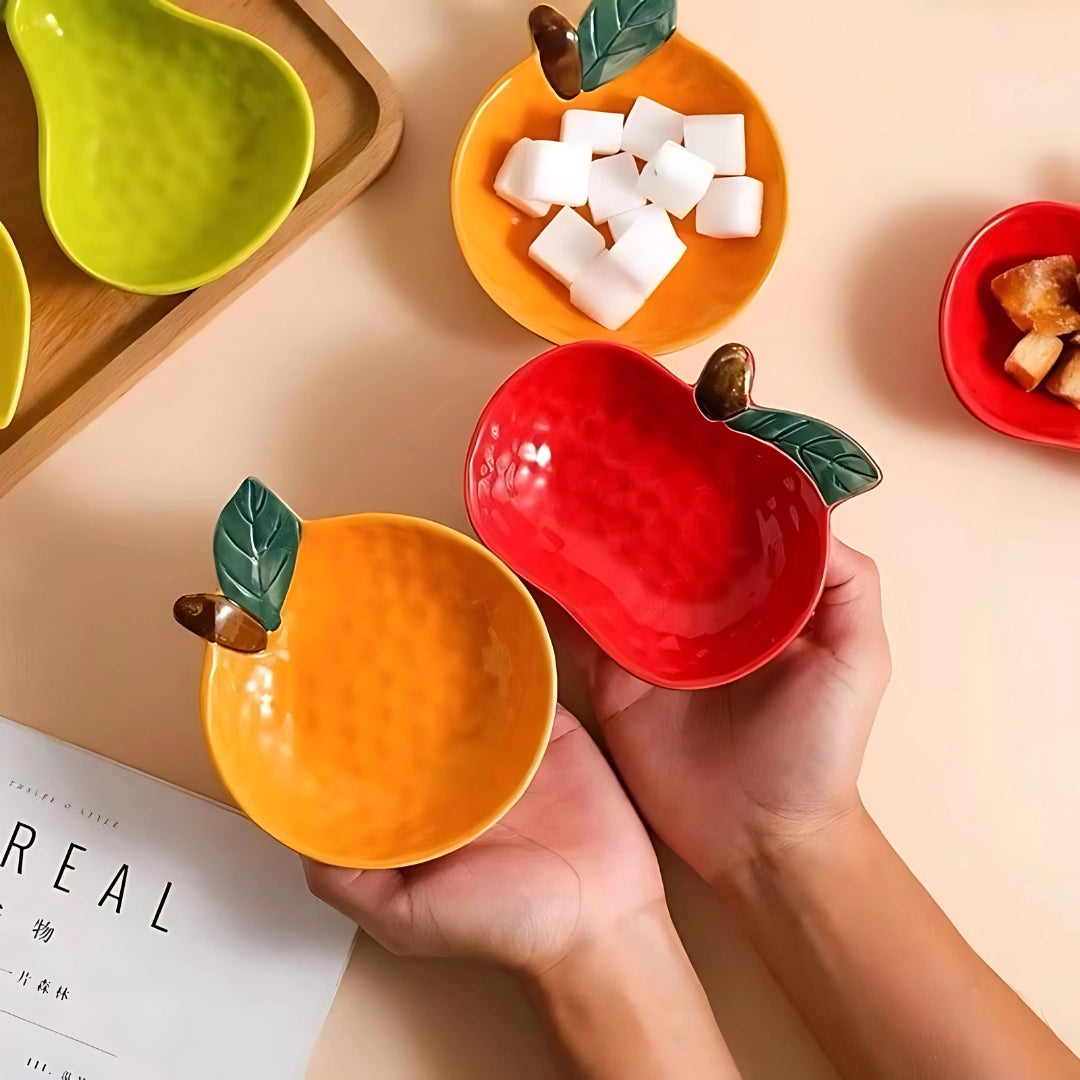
(556, 41)
(216, 619)
(723, 389)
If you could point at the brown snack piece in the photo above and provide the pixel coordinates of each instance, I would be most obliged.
(218, 620)
(1064, 380)
(1041, 295)
(1032, 358)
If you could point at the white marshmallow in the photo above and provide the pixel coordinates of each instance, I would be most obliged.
(613, 187)
(649, 126)
(648, 251)
(731, 207)
(556, 172)
(606, 293)
(508, 182)
(675, 179)
(601, 130)
(720, 139)
(567, 245)
(621, 222)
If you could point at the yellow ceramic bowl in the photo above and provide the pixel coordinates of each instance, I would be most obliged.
(171, 147)
(14, 327)
(402, 707)
(714, 279)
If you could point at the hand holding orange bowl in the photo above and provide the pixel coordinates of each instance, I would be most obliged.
(402, 706)
(713, 281)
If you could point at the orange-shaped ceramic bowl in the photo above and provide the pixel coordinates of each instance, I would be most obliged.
(713, 281)
(401, 708)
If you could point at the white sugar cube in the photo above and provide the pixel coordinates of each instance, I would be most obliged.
(731, 207)
(613, 187)
(648, 251)
(675, 179)
(649, 126)
(556, 172)
(621, 222)
(508, 182)
(567, 245)
(720, 139)
(606, 293)
(601, 130)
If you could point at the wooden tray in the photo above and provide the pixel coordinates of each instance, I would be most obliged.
(89, 343)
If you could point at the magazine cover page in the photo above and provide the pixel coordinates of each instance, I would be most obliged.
(147, 933)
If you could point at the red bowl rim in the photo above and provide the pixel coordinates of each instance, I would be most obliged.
(952, 372)
(612, 647)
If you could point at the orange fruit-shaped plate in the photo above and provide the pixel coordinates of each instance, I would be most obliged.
(402, 705)
(715, 278)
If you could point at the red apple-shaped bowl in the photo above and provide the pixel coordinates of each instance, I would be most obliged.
(685, 528)
(977, 336)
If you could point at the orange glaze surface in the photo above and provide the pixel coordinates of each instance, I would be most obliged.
(402, 707)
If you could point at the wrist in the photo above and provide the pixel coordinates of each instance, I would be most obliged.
(779, 854)
(628, 1005)
(643, 936)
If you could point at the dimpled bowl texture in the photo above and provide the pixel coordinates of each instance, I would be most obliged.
(713, 281)
(14, 327)
(402, 707)
(690, 552)
(171, 147)
(977, 335)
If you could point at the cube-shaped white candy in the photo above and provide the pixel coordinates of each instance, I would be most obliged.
(731, 207)
(508, 182)
(621, 222)
(649, 126)
(556, 172)
(606, 293)
(719, 139)
(613, 187)
(567, 244)
(601, 130)
(648, 251)
(675, 179)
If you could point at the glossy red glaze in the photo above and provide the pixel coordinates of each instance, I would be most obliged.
(977, 335)
(691, 553)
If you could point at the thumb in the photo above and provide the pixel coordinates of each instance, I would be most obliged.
(376, 900)
(848, 620)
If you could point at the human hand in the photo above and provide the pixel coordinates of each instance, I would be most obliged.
(763, 762)
(566, 892)
(567, 866)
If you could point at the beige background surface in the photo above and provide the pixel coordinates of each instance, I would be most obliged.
(351, 377)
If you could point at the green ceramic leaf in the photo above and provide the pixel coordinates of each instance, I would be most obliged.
(839, 467)
(255, 545)
(615, 35)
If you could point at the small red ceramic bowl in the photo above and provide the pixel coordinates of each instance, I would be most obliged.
(977, 335)
(691, 547)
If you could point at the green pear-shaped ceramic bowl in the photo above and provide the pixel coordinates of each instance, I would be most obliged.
(171, 147)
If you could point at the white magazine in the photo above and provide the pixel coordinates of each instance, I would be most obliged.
(147, 933)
